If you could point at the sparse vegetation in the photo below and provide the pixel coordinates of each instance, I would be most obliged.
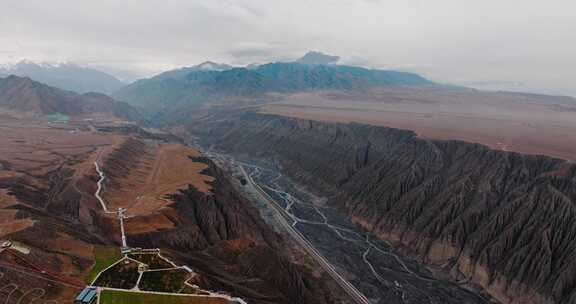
(153, 260)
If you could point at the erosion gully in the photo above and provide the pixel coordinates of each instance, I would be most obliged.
(373, 266)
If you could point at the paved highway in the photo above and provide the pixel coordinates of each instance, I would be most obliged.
(358, 296)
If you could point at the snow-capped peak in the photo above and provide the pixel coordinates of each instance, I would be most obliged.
(27, 63)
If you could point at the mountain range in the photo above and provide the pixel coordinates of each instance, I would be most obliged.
(22, 94)
(209, 81)
(66, 76)
(181, 73)
(192, 86)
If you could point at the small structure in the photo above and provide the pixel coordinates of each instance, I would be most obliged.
(58, 118)
(125, 250)
(142, 267)
(188, 269)
(87, 296)
(121, 215)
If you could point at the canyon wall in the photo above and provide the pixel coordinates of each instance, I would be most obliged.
(219, 234)
(505, 220)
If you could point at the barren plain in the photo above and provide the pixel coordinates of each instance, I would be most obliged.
(45, 170)
(526, 123)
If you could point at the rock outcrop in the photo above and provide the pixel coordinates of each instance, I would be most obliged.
(505, 219)
(206, 219)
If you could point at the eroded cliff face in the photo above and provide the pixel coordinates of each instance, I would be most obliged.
(220, 234)
(205, 219)
(506, 220)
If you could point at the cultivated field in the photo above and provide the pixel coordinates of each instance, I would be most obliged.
(532, 124)
(121, 297)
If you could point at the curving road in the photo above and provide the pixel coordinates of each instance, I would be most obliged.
(99, 188)
(121, 216)
(121, 213)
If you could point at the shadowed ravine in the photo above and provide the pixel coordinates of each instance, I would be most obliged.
(499, 219)
(372, 266)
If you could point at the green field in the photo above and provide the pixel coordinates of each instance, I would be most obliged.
(126, 297)
(104, 256)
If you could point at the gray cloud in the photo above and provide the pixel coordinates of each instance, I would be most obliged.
(246, 53)
(254, 52)
(448, 40)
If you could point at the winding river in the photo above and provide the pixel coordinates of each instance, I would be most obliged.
(382, 274)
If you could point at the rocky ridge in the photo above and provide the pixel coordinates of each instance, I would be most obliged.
(503, 220)
(25, 95)
(223, 235)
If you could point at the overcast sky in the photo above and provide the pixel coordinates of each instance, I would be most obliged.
(523, 44)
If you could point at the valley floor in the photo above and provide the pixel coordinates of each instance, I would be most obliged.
(379, 273)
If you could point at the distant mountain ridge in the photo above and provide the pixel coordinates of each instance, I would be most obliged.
(182, 72)
(66, 76)
(318, 58)
(190, 86)
(25, 95)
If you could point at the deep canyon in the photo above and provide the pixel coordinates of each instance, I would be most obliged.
(499, 219)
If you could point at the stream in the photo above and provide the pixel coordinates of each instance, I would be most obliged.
(381, 273)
